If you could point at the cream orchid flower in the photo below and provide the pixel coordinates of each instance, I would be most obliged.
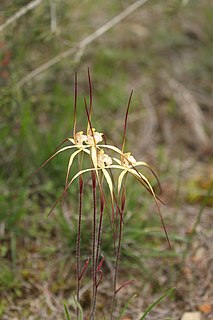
(127, 160)
(94, 137)
(80, 138)
(91, 139)
(89, 143)
(128, 164)
(77, 142)
(104, 164)
(103, 159)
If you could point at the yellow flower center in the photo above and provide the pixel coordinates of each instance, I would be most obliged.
(104, 159)
(94, 137)
(80, 138)
(127, 160)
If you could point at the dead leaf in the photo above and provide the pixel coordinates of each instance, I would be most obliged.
(205, 308)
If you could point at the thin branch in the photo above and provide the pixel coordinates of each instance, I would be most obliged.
(151, 121)
(20, 13)
(84, 43)
(53, 17)
(191, 111)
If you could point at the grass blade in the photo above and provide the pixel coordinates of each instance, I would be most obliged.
(123, 310)
(157, 302)
(80, 308)
(66, 312)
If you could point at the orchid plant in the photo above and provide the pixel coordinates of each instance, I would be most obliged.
(104, 160)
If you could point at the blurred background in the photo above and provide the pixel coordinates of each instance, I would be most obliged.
(162, 50)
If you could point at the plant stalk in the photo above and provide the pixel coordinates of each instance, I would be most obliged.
(78, 246)
(123, 200)
(97, 256)
(93, 237)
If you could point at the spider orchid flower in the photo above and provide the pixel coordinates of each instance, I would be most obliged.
(103, 159)
(77, 143)
(99, 159)
(80, 138)
(104, 162)
(127, 163)
(94, 137)
(127, 160)
(91, 139)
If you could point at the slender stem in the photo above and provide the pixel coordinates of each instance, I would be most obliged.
(125, 122)
(90, 100)
(78, 245)
(97, 257)
(94, 236)
(115, 228)
(117, 254)
(75, 104)
(99, 231)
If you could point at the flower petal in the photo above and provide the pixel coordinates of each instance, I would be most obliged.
(94, 156)
(72, 157)
(117, 160)
(108, 146)
(141, 163)
(77, 175)
(109, 182)
(120, 179)
(80, 138)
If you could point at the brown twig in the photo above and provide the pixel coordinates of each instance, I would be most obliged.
(20, 13)
(115, 290)
(83, 43)
(190, 109)
(78, 245)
